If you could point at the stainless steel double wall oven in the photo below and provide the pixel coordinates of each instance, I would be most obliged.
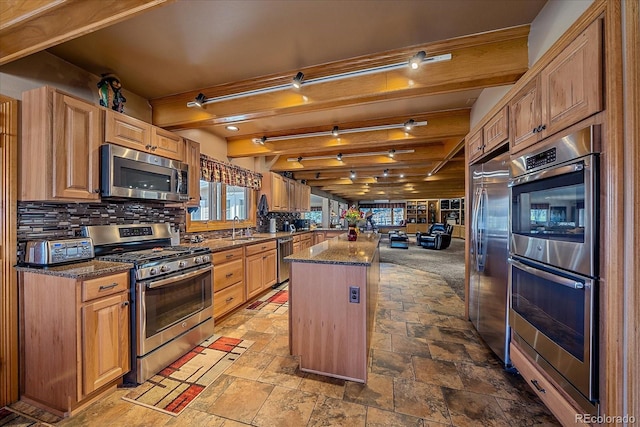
(553, 272)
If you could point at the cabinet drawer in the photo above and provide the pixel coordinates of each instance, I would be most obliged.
(260, 247)
(297, 238)
(103, 286)
(226, 256)
(227, 274)
(227, 299)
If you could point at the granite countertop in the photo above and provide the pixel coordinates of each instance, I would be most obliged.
(79, 270)
(217, 245)
(339, 250)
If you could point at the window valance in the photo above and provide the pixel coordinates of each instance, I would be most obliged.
(213, 170)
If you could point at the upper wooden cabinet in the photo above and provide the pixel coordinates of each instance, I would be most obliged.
(192, 158)
(566, 91)
(59, 152)
(286, 195)
(129, 132)
(492, 135)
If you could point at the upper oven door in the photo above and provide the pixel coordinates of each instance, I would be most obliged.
(134, 174)
(553, 216)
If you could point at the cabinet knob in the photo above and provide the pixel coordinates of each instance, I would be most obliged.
(534, 130)
(96, 190)
(125, 303)
(154, 148)
(148, 146)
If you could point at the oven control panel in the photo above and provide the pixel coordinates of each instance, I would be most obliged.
(541, 159)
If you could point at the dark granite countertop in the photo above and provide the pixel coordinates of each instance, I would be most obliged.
(222, 244)
(80, 270)
(340, 251)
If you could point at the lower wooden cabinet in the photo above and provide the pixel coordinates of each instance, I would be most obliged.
(261, 267)
(228, 281)
(75, 338)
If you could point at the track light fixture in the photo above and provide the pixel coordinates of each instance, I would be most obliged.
(335, 131)
(339, 157)
(385, 172)
(415, 61)
(353, 174)
(260, 141)
(401, 175)
(299, 159)
(318, 175)
(200, 100)
(297, 80)
(409, 124)
(392, 153)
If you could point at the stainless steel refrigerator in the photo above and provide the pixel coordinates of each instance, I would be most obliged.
(489, 238)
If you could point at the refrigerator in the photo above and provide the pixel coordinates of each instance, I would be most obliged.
(489, 237)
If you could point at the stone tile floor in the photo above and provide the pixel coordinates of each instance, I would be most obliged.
(428, 368)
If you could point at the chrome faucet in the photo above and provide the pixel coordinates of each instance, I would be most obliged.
(233, 233)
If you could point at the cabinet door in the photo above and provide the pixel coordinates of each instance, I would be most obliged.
(127, 131)
(269, 268)
(277, 192)
(77, 135)
(105, 341)
(475, 146)
(166, 144)
(254, 274)
(496, 131)
(292, 200)
(525, 115)
(192, 158)
(572, 82)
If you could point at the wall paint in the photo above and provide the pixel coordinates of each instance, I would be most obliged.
(554, 19)
(43, 68)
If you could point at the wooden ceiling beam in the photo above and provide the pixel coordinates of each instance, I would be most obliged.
(478, 61)
(29, 26)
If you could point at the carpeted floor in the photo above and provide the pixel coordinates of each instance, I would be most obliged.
(448, 263)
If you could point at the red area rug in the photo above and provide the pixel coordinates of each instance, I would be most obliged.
(180, 383)
(276, 301)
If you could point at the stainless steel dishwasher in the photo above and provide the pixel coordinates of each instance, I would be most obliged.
(285, 248)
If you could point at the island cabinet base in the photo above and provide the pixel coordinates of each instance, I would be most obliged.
(330, 333)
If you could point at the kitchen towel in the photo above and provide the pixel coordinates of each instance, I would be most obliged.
(263, 206)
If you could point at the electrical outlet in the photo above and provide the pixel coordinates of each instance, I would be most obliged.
(354, 294)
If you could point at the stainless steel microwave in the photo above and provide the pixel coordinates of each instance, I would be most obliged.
(131, 174)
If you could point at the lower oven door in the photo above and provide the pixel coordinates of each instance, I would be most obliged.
(171, 306)
(553, 313)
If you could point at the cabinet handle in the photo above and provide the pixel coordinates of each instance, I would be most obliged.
(97, 190)
(229, 275)
(479, 148)
(125, 303)
(148, 146)
(229, 299)
(537, 386)
(154, 148)
(107, 287)
(229, 256)
(264, 247)
(535, 130)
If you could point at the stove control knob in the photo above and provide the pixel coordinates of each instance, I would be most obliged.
(153, 271)
(198, 260)
(165, 268)
(206, 258)
(182, 264)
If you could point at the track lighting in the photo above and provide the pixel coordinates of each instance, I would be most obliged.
(297, 80)
(385, 172)
(429, 174)
(409, 124)
(417, 59)
(392, 153)
(401, 175)
(339, 157)
(260, 141)
(200, 99)
(353, 174)
(335, 132)
(299, 159)
(318, 175)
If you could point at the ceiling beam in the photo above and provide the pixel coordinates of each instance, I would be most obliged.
(29, 26)
(478, 61)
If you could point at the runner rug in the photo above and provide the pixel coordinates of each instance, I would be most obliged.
(180, 383)
(275, 301)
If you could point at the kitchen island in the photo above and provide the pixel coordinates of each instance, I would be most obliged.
(333, 290)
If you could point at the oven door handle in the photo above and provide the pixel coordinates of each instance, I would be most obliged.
(173, 279)
(562, 170)
(548, 276)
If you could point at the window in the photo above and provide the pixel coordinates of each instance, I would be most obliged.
(210, 197)
(398, 216)
(237, 198)
(314, 216)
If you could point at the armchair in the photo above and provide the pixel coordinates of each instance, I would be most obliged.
(437, 237)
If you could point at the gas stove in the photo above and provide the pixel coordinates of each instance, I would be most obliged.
(147, 247)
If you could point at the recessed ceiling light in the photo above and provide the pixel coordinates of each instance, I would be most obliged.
(232, 128)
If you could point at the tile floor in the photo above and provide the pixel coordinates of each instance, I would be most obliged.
(428, 368)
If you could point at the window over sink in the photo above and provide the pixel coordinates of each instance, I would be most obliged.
(219, 204)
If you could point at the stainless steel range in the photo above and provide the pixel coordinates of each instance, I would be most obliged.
(171, 292)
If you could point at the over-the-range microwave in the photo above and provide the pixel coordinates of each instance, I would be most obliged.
(131, 174)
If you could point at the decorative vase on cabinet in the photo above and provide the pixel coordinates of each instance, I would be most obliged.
(352, 235)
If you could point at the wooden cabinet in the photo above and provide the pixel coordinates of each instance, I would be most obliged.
(59, 153)
(260, 267)
(286, 195)
(192, 159)
(130, 132)
(567, 90)
(228, 281)
(419, 214)
(306, 241)
(75, 337)
(318, 237)
(491, 136)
